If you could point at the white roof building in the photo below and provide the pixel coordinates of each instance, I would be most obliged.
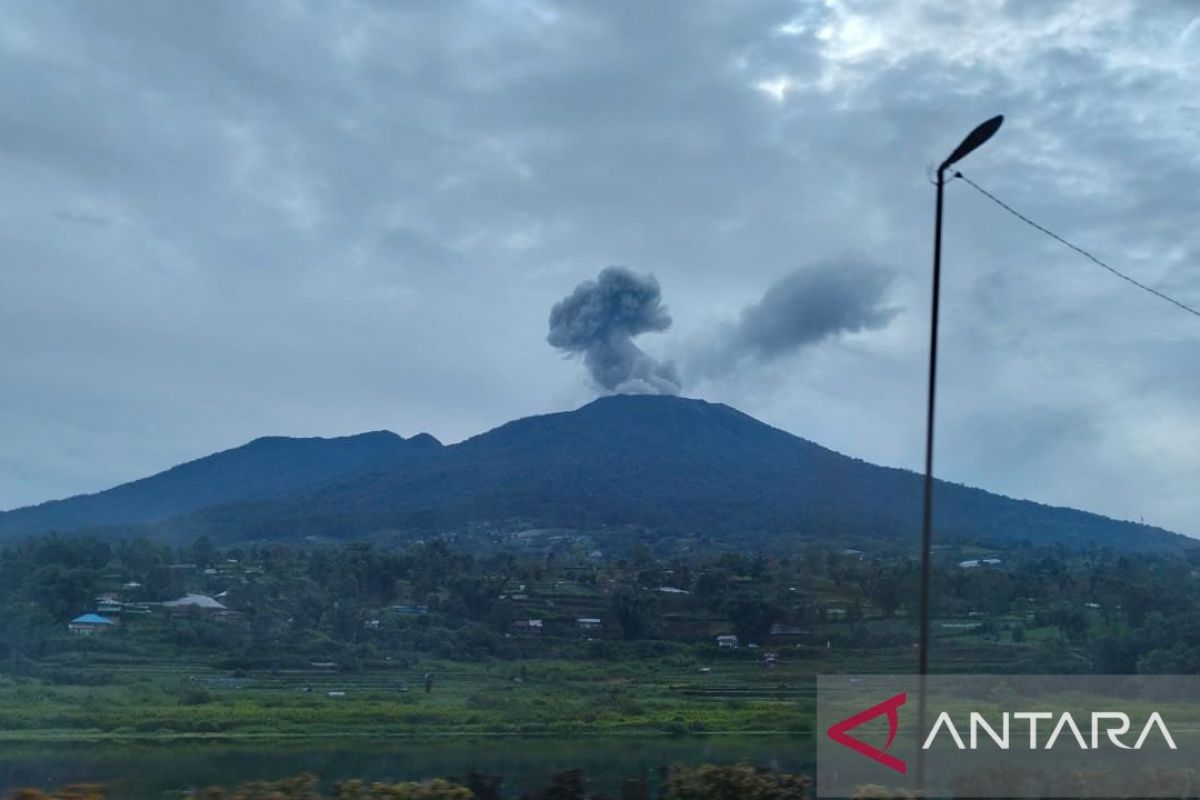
(197, 600)
(977, 562)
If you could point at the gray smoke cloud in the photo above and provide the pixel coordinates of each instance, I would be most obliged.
(600, 318)
(807, 306)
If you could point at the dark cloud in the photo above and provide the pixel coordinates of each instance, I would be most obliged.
(599, 320)
(811, 304)
(815, 302)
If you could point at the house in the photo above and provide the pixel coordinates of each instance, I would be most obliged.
(979, 562)
(588, 624)
(89, 624)
(727, 641)
(200, 604)
(409, 608)
(530, 626)
(107, 604)
(190, 601)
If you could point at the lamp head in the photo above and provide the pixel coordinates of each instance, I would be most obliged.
(974, 139)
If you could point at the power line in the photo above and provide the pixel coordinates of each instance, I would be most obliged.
(1077, 249)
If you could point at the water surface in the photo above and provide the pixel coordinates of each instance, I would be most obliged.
(155, 771)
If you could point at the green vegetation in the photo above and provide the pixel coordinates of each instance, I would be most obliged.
(436, 640)
(706, 782)
(569, 698)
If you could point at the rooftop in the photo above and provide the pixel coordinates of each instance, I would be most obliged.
(200, 600)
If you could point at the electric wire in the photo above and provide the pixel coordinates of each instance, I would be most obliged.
(1076, 248)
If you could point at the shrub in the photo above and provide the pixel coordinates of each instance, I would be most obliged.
(194, 696)
(436, 789)
(78, 791)
(741, 782)
(304, 787)
(300, 787)
(564, 786)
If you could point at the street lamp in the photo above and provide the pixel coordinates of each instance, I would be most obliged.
(974, 139)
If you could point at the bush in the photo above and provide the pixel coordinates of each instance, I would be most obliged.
(304, 787)
(194, 696)
(741, 782)
(301, 787)
(436, 789)
(78, 677)
(78, 791)
(675, 727)
(564, 786)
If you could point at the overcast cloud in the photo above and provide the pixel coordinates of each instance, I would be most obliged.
(225, 220)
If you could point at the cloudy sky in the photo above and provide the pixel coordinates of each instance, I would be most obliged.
(225, 220)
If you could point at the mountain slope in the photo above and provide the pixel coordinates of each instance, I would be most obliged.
(661, 462)
(263, 468)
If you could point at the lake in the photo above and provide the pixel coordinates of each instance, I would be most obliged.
(142, 771)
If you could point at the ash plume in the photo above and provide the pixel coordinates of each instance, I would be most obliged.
(600, 319)
(816, 302)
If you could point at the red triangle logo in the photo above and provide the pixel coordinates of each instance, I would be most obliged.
(839, 733)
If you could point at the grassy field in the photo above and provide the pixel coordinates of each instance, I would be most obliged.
(714, 693)
(168, 699)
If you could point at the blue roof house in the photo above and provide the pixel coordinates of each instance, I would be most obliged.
(88, 624)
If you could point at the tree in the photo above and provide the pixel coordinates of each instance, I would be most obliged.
(633, 611)
(24, 628)
(204, 552)
(752, 617)
(478, 593)
(1179, 660)
(139, 556)
(63, 591)
(711, 588)
(885, 594)
(162, 582)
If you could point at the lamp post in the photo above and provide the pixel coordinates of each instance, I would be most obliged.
(974, 139)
